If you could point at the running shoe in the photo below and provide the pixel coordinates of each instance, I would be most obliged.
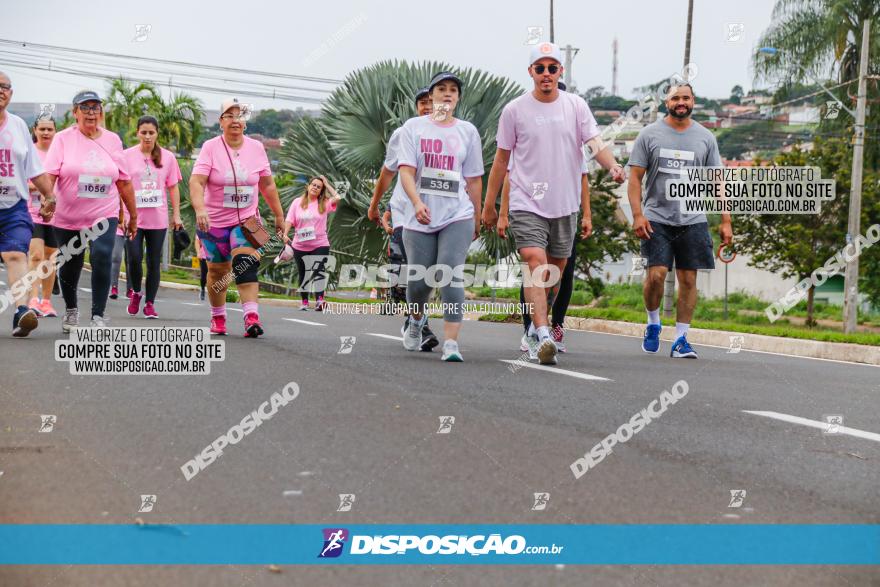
(547, 352)
(319, 306)
(128, 293)
(412, 340)
(134, 304)
(114, 292)
(557, 333)
(450, 352)
(99, 321)
(531, 344)
(404, 327)
(305, 306)
(218, 325)
(24, 320)
(681, 349)
(429, 339)
(71, 319)
(47, 310)
(252, 326)
(150, 311)
(524, 343)
(202, 295)
(651, 342)
(34, 305)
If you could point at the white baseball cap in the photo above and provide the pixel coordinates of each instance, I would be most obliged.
(227, 104)
(542, 50)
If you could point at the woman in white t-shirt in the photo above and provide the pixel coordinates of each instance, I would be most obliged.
(441, 167)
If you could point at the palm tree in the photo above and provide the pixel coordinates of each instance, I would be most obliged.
(126, 102)
(347, 143)
(180, 121)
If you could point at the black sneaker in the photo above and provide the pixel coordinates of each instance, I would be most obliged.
(429, 339)
(23, 322)
(55, 289)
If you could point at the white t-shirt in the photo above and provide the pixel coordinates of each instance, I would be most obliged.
(401, 207)
(19, 161)
(444, 158)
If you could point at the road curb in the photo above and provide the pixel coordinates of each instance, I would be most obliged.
(815, 349)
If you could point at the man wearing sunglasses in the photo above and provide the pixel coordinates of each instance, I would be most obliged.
(541, 135)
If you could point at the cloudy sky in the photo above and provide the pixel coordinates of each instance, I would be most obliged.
(331, 38)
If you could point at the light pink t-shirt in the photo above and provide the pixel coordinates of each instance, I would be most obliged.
(251, 163)
(34, 195)
(151, 185)
(87, 171)
(309, 225)
(546, 141)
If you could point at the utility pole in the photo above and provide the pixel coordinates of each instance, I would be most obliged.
(614, 68)
(669, 284)
(552, 37)
(570, 53)
(851, 276)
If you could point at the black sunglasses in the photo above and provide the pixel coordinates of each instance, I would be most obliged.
(539, 69)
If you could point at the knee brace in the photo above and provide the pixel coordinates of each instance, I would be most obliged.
(244, 268)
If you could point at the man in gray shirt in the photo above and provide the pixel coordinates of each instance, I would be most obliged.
(661, 151)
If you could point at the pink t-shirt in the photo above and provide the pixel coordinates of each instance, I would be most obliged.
(34, 195)
(309, 225)
(546, 141)
(87, 171)
(151, 185)
(251, 163)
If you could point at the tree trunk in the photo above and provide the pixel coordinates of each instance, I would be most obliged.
(811, 322)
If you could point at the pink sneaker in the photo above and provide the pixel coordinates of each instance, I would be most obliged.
(558, 333)
(34, 305)
(114, 292)
(135, 304)
(218, 325)
(150, 311)
(128, 293)
(47, 310)
(319, 307)
(252, 326)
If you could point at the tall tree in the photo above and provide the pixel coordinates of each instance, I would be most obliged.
(126, 102)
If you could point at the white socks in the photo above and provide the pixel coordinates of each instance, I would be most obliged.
(543, 332)
(681, 329)
(653, 316)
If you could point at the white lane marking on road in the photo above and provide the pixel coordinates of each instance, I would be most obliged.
(235, 309)
(85, 289)
(577, 374)
(817, 424)
(388, 336)
(304, 322)
(288, 492)
(192, 304)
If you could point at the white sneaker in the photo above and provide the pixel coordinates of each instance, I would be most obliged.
(99, 321)
(524, 343)
(412, 340)
(547, 352)
(450, 352)
(71, 320)
(531, 343)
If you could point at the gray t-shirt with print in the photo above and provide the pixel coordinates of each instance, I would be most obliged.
(664, 152)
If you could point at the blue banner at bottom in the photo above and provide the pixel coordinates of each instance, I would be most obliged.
(414, 544)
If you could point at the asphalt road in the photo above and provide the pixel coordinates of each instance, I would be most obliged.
(366, 423)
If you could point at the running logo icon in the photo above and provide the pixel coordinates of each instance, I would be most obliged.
(334, 540)
(534, 34)
(737, 497)
(346, 344)
(735, 32)
(541, 501)
(47, 111)
(446, 423)
(638, 266)
(346, 501)
(736, 343)
(832, 109)
(47, 422)
(141, 32)
(833, 422)
(147, 503)
(539, 189)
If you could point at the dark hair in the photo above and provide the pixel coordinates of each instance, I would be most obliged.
(40, 119)
(156, 153)
(681, 85)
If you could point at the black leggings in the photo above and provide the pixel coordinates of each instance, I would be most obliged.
(100, 257)
(203, 273)
(303, 274)
(134, 250)
(563, 297)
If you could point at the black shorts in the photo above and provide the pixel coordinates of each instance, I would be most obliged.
(47, 233)
(396, 250)
(690, 246)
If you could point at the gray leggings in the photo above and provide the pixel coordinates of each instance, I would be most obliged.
(116, 260)
(448, 246)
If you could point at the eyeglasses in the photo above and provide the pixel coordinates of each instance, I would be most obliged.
(6, 87)
(539, 69)
(89, 109)
(235, 116)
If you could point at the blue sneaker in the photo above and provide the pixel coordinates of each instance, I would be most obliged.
(651, 342)
(681, 349)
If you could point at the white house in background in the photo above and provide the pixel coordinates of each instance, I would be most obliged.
(803, 115)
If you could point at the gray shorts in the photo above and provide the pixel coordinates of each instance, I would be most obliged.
(555, 235)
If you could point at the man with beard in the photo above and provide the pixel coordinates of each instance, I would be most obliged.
(664, 149)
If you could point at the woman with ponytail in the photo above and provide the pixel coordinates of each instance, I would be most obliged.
(155, 174)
